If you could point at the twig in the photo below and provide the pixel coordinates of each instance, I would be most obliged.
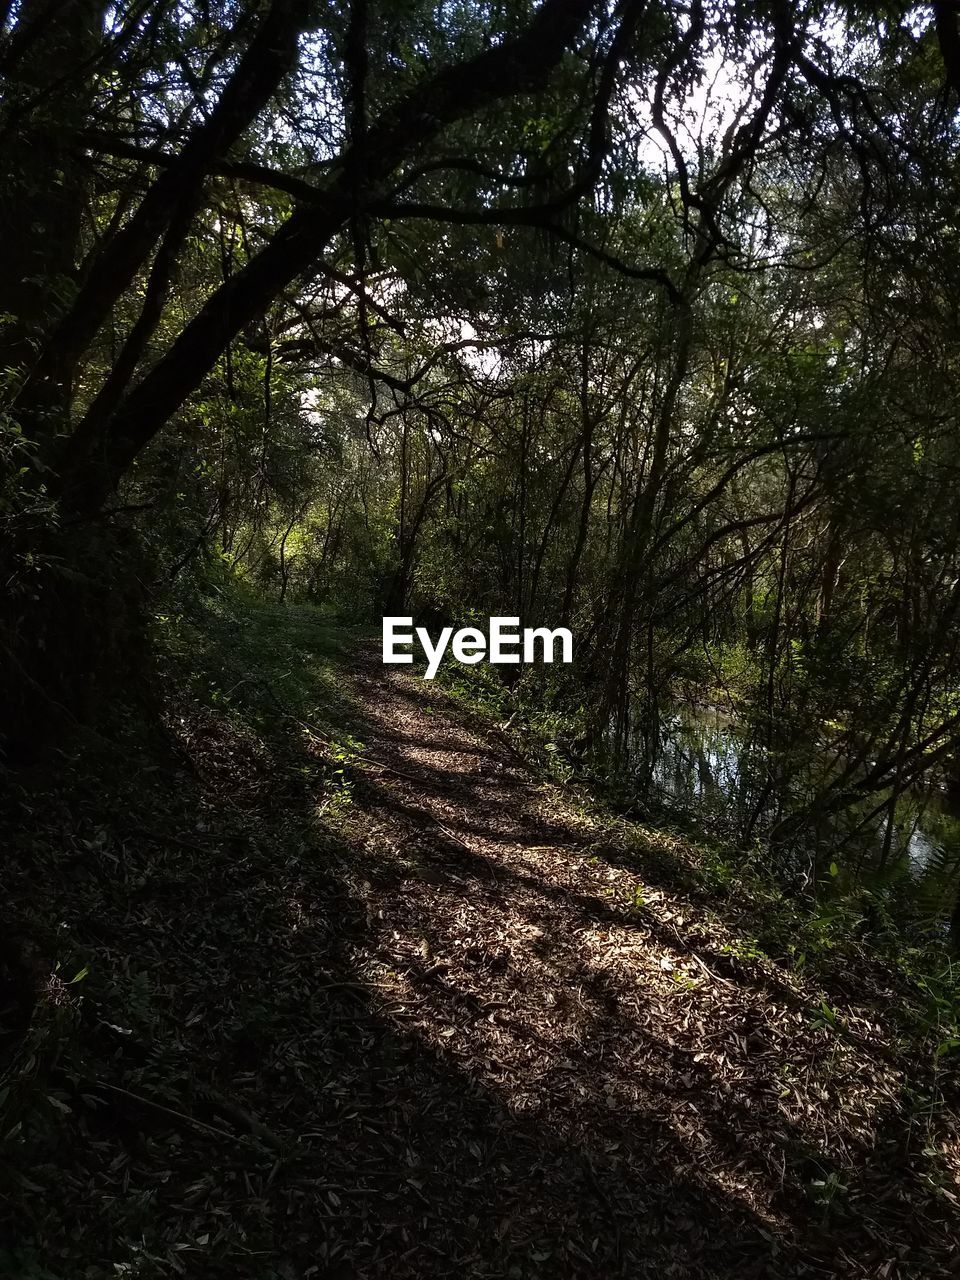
(710, 974)
(388, 768)
(235, 1112)
(326, 742)
(159, 1106)
(452, 835)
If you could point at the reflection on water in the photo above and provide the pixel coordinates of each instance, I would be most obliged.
(701, 758)
(708, 769)
(921, 852)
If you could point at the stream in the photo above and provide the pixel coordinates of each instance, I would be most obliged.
(709, 772)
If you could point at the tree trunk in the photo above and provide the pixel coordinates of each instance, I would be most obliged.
(43, 181)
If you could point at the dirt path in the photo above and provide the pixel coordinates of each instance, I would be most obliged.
(600, 1087)
(452, 1029)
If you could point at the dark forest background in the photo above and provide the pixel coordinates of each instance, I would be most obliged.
(641, 320)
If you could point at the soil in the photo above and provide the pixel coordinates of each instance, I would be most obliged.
(472, 1027)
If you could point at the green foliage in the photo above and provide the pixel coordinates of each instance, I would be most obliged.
(314, 313)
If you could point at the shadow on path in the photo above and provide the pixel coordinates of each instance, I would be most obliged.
(448, 1031)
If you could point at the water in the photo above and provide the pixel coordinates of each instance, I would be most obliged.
(710, 771)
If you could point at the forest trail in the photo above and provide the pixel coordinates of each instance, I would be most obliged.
(406, 1011)
(609, 1090)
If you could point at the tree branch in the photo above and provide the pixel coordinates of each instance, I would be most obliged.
(94, 459)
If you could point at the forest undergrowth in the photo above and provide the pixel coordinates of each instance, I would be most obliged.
(330, 975)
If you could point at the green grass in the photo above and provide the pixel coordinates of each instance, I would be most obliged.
(262, 661)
